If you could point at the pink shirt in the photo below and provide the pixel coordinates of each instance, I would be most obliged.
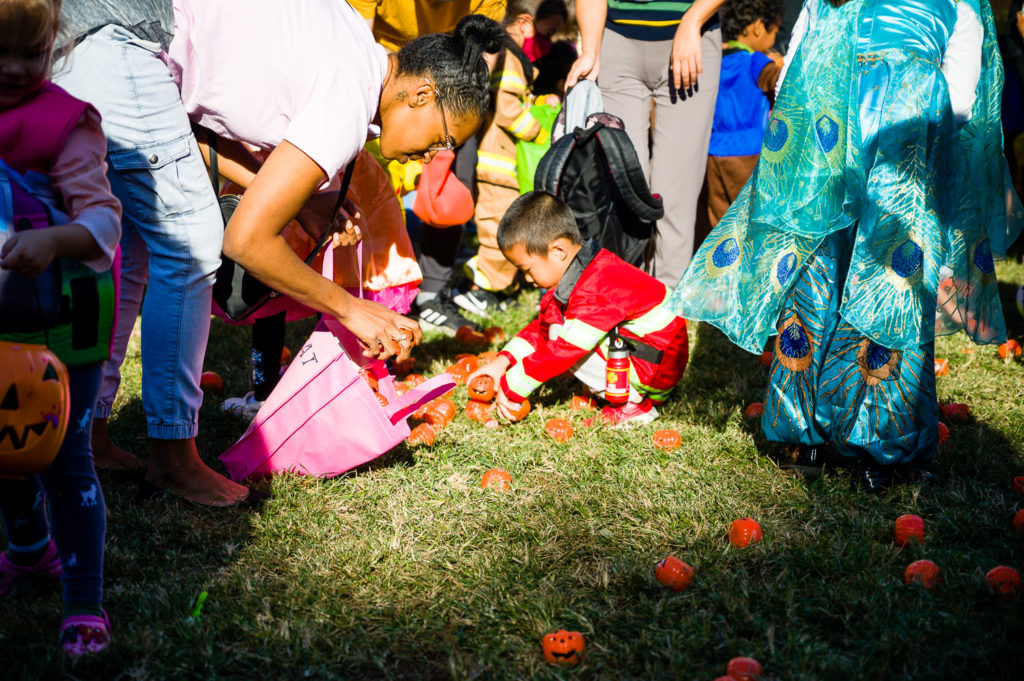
(263, 71)
(79, 177)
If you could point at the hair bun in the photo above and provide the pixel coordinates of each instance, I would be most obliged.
(476, 30)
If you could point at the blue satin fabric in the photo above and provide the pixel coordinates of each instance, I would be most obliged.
(869, 205)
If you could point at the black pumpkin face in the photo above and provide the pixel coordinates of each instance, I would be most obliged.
(563, 647)
(33, 408)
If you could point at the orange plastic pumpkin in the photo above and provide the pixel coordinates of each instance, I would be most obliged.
(753, 411)
(458, 374)
(909, 528)
(518, 414)
(1004, 582)
(766, 358)
(674, 573)
(486, 357)
(286, 355)
(496, 478)
(743, 669)
(479, 411)
(560, 429)
(923, 572)
(34, 404)
(494, 334)
(405, 366)
(667, 440)
(370, 378)
(468, 336)
(744, 532)
(581, 402)
(467, 362)
(1018, 521)
(563, 647)
(943, 433)
(413, 380)
(941, 367)
(423, 434)
(481, 388)
(956, 412)
(440, 412)
(401, 387)
(1010, 348)
(211, 382)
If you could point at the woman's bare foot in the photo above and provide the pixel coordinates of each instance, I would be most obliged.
(175, 465)
(106, 454)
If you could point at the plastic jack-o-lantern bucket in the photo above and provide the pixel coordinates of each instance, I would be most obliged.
(34, 405)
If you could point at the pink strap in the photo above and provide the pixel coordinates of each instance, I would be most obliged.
(426, 391)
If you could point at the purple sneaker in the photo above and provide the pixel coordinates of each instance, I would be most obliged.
(84, 634)
(11, 574)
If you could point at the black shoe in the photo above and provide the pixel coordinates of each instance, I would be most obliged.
(481, 301)
(440, 314)
(809, 461)
(870, 478)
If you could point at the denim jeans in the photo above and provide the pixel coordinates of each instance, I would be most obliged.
(172, 227)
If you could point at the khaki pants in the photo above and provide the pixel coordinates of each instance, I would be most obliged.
(673, 152)
(494, 272)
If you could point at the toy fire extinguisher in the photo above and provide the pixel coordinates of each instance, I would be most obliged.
(617, 375)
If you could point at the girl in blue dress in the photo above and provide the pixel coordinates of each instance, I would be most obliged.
(869, 227)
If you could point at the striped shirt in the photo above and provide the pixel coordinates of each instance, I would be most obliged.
(646, 19)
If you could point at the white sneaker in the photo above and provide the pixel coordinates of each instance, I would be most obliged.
(243, 406)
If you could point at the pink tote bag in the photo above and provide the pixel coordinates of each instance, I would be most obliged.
(322, 418)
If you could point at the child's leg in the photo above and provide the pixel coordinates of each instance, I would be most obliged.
(24, 514)
(267, 343)
(493, 272)
(77, 510)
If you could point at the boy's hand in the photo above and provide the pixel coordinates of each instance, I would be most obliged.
(505, 407)
(496, 368)
(28, 253)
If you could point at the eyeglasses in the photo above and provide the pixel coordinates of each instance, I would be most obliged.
(448, 144)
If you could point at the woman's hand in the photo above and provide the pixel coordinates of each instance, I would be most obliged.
(586, 66)
(382, 332)
(28, 253)
(687, 62)
(345, 225)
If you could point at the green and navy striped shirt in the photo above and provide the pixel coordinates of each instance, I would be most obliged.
(646, 19)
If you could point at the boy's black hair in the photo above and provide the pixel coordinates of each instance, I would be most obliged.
(534, 220)
(455, 63)
(736, 15)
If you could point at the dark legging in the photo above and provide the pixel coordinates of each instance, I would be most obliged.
(77, 511)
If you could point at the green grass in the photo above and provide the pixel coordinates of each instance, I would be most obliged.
(407, 570)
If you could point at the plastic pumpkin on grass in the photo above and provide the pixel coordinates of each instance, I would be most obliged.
(744, 532)
(923, 572)
(34, 406)
(582, 402)
(753, 411)
(468, 336)
(563, 647)
(498, 479)
(907, 529)
(674, 573)
(1009, 349)
(479, 411)
(520, 412)
(744, 669)
(941, 366)
(494, 334)
(560, 429)
(481, 388)
(211, 382)
(667, 440)
(1004, 582)
(956, 412)
(423, 434)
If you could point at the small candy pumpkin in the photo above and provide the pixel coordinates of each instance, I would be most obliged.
(494, 334)
(923, 572)
(667, 440)
(563, 647)
(486, 357)
(481, 388)
(479, 411)
(467, 336)
(211, 382)
(943, 433)
(34, 406)
(582, 402)
(956, 412)
(370, 378)
(444, 408)
(907, 529)
(1018, 521)
(414, 380)
(496, 478)
(674, 573)
(743, 669)
(423, 434)
(1010, 348)
(766, 358)
(520, 412)
(401, 387)
(744, 532)
(941, 367)
(405, 366)
(753, 411)
(1004, 582)
(560, 429)
(468, 362)
(458, 374)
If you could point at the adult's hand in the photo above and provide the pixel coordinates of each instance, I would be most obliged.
(687, 62)
(591, 16)
(586, 66)
(383, 332)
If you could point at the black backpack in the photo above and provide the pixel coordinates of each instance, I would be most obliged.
(596, 171)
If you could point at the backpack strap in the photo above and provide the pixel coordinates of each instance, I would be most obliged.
(629, 177)
(548, 177)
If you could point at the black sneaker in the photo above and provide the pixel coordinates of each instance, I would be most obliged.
(809, 461)
(871, 478)
(481, 301)
(440, 314)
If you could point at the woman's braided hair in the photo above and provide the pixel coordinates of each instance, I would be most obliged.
(455, 63)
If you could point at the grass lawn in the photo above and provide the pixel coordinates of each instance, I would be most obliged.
(406, 569)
